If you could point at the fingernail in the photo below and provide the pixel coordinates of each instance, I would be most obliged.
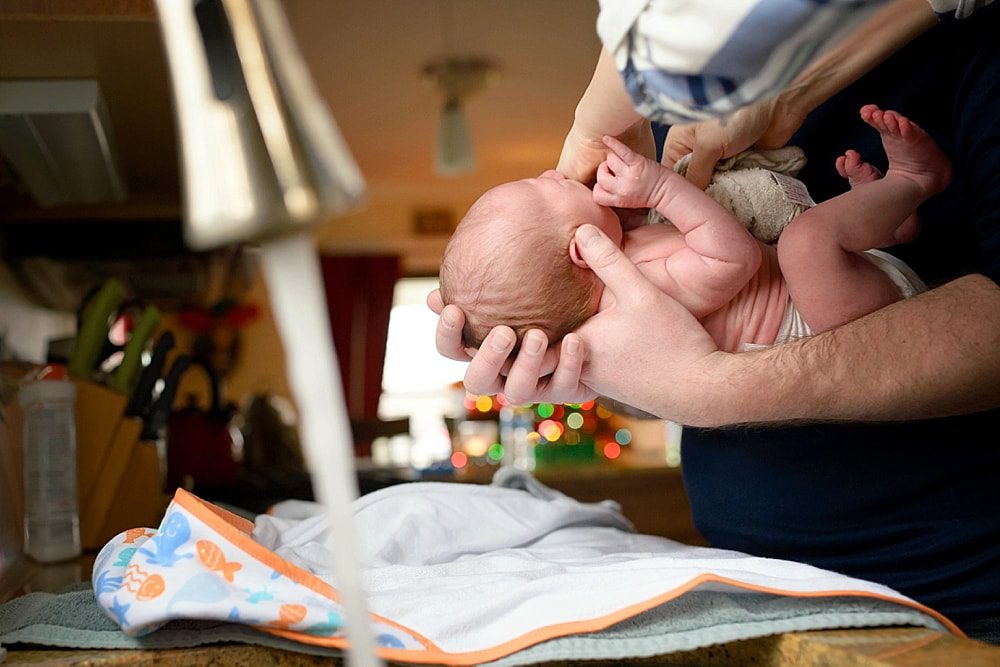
(587, 234)
(501, 341)
(534, 343)
(447, 319)
(572, 346)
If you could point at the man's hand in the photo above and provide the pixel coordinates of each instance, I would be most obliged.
(537, 374)
(645, 349)
(762, 125)
(626, 179)
(584, 152)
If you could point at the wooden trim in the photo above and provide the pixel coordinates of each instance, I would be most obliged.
(77, 10)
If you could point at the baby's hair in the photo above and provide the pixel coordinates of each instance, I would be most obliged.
(477, 273)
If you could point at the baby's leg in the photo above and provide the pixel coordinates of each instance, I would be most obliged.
(828, 278)
(857, 172)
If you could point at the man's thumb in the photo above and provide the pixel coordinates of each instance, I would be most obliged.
(701, 166)
(606, 259)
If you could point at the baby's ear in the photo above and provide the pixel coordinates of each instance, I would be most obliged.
(574, 255)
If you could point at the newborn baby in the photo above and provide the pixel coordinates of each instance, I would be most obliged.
(513, 258)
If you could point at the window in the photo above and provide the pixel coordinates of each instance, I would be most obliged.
(417, 382)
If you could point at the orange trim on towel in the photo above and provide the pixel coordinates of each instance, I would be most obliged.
(238, 531)
(600, 623)
(435, 655)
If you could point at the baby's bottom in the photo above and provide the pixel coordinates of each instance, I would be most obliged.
(904, 279)
(829, 284)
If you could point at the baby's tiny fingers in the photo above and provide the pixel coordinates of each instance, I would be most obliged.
(617, 147)
(615, 164)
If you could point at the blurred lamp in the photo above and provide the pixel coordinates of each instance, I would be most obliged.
(457, 78)
(454, 144)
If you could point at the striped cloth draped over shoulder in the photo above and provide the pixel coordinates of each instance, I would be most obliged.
(686, 60)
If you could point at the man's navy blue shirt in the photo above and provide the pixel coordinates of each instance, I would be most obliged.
(914, 506)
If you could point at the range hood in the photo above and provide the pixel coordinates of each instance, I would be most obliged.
(56, 136)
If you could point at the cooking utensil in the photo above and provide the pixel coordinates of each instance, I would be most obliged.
(155, 420)
(123, 378)
(142, 395)
(93, 329)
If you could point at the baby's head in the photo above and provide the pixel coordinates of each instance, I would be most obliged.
(513, 261)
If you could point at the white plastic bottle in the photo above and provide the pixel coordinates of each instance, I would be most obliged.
(51, 513)
(516, 423)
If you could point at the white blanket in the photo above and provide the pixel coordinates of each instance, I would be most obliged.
(472, 567)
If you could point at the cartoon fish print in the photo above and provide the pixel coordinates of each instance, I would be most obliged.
(132, 534)
(173, 534)
(253, 597)
(151, 588)
(204, 588)
(389, 641)
(213, 558)
(332, 625)
(106, 584)
(118, 610)
(125, 556)
(289, 614)
(134, 578)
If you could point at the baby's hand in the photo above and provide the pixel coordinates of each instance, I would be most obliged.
(626, 179)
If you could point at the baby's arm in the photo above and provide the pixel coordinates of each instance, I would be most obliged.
(719, 255)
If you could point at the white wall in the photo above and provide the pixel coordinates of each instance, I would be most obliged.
(25, 326)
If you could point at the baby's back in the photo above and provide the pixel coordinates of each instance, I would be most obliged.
(754, 315)
(755, 308)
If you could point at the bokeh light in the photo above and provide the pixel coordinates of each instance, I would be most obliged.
(623, 436)
(574, 420)
(612, 451)
(459, 459)
(550, 430)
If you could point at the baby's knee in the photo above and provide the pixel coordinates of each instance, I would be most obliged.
(803, 236)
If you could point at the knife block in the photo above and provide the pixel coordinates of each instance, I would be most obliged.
(120, 476)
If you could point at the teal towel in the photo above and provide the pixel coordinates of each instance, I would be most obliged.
(72, 619)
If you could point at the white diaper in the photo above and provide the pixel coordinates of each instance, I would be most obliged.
(903, 277)
(908, 282)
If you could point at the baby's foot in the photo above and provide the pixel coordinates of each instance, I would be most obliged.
(855, 170)
(912, 153)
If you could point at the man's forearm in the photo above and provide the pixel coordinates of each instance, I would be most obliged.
(605, 107)
(888, 29)
(934, 355)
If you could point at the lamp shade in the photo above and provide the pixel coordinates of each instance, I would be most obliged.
(454, 147)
